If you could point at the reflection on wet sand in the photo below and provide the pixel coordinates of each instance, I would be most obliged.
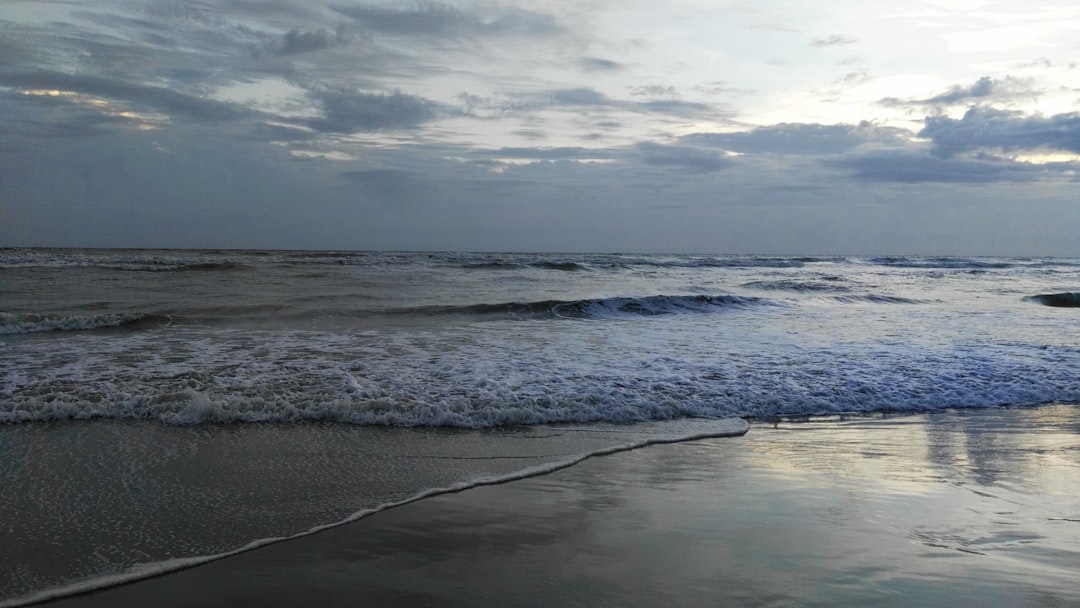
(962, 508)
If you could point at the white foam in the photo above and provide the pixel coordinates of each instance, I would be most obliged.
(26, 323)
(490, 375)
(698, 429)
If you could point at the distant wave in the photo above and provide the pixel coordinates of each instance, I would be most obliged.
(595, 261)
(173, 266)
(594, 308)
(874, 298)
(548, 265)
(726, 262)
(124, 265)
(28, 323)
(1061, 300)
(834, 284)
(569, 266)
(940, 263)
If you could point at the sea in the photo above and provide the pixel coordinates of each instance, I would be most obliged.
(163, 408)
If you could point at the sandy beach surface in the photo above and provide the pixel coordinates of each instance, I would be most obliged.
(971, 507)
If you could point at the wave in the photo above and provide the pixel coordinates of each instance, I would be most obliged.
(873, 298)
(547, 265)
(598, 308)
(940, 263)
(28, 323)
(173, 266)
(833, 284)
(1060, 300)
(567, 266)
(722, 262)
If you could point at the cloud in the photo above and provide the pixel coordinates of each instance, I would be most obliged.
(142, 96)
(597, 64)
(834, 40)
(983, 89)
(584, 96)
(298, 41)
(438, 20)
(990, 129)
(561, 153)
(687, 158)
(347, 110)
(801, 138)
(914, 167)
(653, 90)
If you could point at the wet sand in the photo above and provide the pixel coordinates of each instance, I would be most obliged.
(967, 507)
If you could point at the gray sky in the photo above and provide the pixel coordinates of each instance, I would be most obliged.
(771, 126)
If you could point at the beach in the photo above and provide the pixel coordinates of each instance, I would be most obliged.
(964, 507)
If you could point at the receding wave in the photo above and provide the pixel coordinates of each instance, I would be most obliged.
(29, 323)
(593, 308)
(112, 571)
(1060, 300)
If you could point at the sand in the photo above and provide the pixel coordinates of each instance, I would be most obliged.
(967, 507)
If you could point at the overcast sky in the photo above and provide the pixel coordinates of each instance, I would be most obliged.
(757, 126)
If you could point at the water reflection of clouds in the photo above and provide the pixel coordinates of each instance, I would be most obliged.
(1033, 448)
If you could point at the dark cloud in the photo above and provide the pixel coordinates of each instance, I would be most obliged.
(434, 19)
(800, 138)
(911, 168)
(834, 40)
(346, 110)
(382, 178)
(577, 97)
(298, 41)
(990, 129)
(983, 89)
(687, 158)
(597, 64)
(583, 96)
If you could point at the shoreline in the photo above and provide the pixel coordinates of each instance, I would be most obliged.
(964, 505)
(685, 431)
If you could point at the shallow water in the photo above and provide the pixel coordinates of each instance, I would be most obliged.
(84, 501)
(953, 508)
(957, 508)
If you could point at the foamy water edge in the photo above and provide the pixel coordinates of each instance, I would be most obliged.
(725, 427)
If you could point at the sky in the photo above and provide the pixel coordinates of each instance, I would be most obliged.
(934, 127)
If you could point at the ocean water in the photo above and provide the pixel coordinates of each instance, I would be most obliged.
(126, 377)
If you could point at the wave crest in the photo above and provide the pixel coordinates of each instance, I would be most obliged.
(29, 323)
(598, 308)
(1060, 300)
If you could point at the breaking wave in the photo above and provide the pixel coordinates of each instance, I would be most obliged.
(28, 323)
(940, 263)
(826, 284)
(1059, 300)
(598, 308)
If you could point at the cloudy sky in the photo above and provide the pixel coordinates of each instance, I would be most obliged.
(758, 126)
